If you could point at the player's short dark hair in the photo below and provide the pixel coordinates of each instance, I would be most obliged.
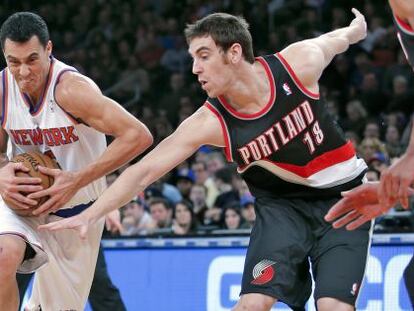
(225, 29)
(22, 26)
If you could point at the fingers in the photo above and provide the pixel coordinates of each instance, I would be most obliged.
(403, 192)
(117, 227)
(339, 209)
(41, 194)
(48, 171)
(27, 180)
(27, 188)
(356, 12)
(357, 222)
(57, 225)
(352, 215)
(382, 191)
(20, 167)
(20, 200)
(45, 207)
(68, 223)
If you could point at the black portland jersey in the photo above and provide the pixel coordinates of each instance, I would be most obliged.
(405, 35)
(292, 147)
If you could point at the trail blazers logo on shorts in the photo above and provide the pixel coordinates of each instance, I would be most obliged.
(263, 272)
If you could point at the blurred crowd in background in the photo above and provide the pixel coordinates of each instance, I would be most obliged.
(136, 52)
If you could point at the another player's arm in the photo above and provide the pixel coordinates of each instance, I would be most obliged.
(309, 58)
(199, 129)
(395, 180)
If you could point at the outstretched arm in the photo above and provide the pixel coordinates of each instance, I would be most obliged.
(309, 58)
(199, 129)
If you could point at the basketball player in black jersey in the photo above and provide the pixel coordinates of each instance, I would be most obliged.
(371, 200)
(267, 115)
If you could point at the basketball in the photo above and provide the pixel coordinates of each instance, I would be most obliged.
(31, 160)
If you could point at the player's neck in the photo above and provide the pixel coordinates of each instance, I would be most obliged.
(250, 90)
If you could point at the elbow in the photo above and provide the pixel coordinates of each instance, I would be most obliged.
(143, 138)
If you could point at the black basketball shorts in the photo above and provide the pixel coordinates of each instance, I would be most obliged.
(291, 234)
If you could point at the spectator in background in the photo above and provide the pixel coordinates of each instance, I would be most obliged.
(215, 161)
(204, 178)
(356, 117)
(372, 129)
(371, 147)
(248, 213)
(232, 216)
(198, 196)
(136, 220)
(184, 220)
(185, 180)
(161, 213)
(392, 141)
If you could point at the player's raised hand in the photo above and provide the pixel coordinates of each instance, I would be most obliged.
(78, 223)
(358, 27)
(396, 180)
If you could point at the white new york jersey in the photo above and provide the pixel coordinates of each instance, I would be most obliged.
(45, 127)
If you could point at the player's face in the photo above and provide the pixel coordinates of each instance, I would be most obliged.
(210, 66)
(29, 63)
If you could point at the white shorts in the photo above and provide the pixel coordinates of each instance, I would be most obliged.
(64, 264)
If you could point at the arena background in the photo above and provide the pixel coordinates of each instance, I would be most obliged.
(136, 53)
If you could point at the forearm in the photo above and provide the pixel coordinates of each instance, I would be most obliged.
(335, 42)
(119, 152)
(132, 181)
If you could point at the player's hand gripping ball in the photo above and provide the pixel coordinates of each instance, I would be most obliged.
(31, 160)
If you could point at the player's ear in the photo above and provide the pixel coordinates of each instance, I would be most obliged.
(49, 47)
(235, 53)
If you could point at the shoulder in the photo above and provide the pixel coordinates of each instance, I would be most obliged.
(203, 126)
(295, 53)
(72, 81)
(73, 86)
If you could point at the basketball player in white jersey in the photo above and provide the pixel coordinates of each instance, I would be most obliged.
(48, 106)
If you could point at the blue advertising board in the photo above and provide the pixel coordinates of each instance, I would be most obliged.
(194, 278)
(203, 274)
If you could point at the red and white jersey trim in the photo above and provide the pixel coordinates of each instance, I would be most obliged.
(331, 176)
(404, 26)
(295, 78)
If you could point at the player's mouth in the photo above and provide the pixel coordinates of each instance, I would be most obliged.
(203, 83)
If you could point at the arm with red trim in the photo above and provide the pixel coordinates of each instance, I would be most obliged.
(201, 128)
(308, 58)
(81, 97)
